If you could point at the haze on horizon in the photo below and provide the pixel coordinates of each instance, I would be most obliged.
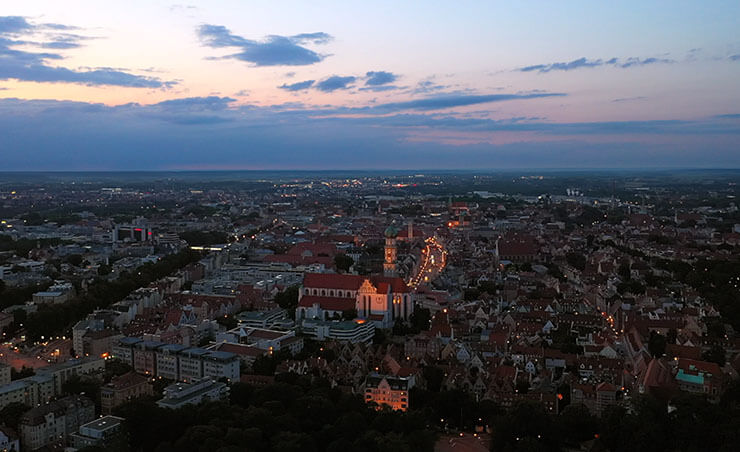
(155, 85)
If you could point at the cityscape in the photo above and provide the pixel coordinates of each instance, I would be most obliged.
(427, 226)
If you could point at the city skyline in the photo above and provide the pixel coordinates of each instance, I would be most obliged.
(165, 86)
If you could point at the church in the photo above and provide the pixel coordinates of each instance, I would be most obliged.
(379, 299)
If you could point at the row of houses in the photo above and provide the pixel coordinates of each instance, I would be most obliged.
(176, 362)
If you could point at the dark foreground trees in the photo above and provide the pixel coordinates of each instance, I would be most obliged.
(297, 416)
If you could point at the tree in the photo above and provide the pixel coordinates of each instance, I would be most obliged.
(74, 259)
(433, 376)
(23, 373)
(715, 354)
(656, 344)
(420, 319)
(671, 336)
(103, 269)
(11, 413)
(349, 314)
(624, 272)
(343, 262)
(288, 299)
(576, 260)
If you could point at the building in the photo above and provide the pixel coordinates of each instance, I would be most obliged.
(262, 319)
(123, 388)
(389, 264)
(264, 339)
(181, 394)
(4, 374)
(47, 383)
(58, 293)
(388, 390)
(379, 299)
(138, 231)
(62, 372)
(353, 331)
(101, 432)
(700, 377)
(9, 439)
(54, 422)
(176, 362)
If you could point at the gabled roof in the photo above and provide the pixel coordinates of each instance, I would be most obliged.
(353, 282)
(327, 303)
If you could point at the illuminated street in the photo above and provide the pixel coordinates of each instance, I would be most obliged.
(433, 261)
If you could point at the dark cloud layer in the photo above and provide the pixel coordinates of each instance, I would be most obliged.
(207, 132)
(273, 50)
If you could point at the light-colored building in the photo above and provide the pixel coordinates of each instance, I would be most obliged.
(53, 422)
(388, 390)
(100, 432)
(181, 394)
(354, 331)
(47, 383)
(176, 362)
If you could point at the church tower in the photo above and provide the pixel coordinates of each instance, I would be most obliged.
(389, 265)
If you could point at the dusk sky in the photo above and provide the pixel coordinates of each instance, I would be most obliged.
(150, 85)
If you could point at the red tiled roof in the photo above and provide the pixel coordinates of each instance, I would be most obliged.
(694, 366)
(327, 303)
(353, 282)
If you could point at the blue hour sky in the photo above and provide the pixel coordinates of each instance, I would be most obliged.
(142, 85)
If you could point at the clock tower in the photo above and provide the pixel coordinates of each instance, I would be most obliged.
(389, 265)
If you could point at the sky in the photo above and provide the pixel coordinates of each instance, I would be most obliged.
(160, 85)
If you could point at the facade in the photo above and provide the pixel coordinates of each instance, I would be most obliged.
(263, 339)
(122, 389)
(9, 440)
(47, 383)
(389, 263)
(388, 390)
(379, 299)
(179, 395)
(54, 422)
(4, 374)
(700, 377)
(353, 331)
(100, 432)
(176, 362)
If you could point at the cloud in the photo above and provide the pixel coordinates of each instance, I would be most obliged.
(13, 24)
(335, 82)
(34, 66)
(212, 132)
(459, 100)
(575, 64)
(298, 86)
(588, 63)
(210, 103)
(643, 62)
(629, 99)
(735, 57)
(428, 86)
(377, 78)
(273, 50)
